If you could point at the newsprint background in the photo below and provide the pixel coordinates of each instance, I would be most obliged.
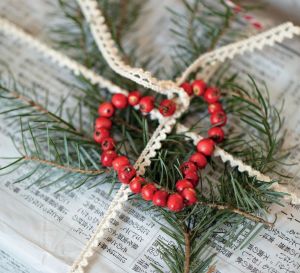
(43, 232)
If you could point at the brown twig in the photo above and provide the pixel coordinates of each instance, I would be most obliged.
(43, 110)
(245, 214)
(187, 260)
(66, 168)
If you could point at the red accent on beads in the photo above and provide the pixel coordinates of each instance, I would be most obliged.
(147, 104)
(212, 95)
(107, 158)
(106, 109)
(199, 87)
(148, 192)
(175, 202)
(237, 8)
(107, 144)
(126, 173)
(199, 159)
(136, 184)
(193, 177)
(215, 107)
(190, 196)
(119, 162)
(160, 198)
(167, 108)
(216, 134)
(119, 101)
(187, 88)
(183, 184)
(102, 122)
(101, 134)
(206, 146)
(257, 25)
(188, 167)
(218, 118)
(134, 98)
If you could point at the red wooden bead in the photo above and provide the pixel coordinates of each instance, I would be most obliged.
(167, 108)
(147, 104)
(106, 109)
(187, 88)
(160, 198)
(136, 184)
(212, 95)
(199, 159)
(190, 196)
(102, 122)
(101, 134)
(175, 202)
(183, 184)
(206, 146)
(148, 192)
(216, 134)
(107, 158)
(119, 101)
(257, 25)
(218, 118)
(199, 87)
(107, 144)
(215, 107)
(193, 177)
(126, 173)
(119, 162)
(134, 98)
(188, 167)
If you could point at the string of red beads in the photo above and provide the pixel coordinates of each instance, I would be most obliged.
(185, 194)
(106, 111)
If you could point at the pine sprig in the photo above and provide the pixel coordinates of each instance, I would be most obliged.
(73, 36)
(200, 27)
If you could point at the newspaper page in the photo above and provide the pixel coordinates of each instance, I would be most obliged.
(43, 231)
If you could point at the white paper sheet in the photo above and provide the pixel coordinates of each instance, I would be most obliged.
(44, 232)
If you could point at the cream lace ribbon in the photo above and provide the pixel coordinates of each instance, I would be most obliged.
(110, 52)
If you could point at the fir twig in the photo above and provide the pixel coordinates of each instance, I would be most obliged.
(187, 243)
(38, 107)
(240, 212)
(63, 167)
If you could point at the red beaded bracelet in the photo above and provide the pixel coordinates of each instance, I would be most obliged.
(185, 194)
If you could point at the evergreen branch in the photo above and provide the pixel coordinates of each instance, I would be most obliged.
(229, 17)
(38, 107)
(224, 207)
(200, 28)
(240, 212)
(63, 167)
(73, 34)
